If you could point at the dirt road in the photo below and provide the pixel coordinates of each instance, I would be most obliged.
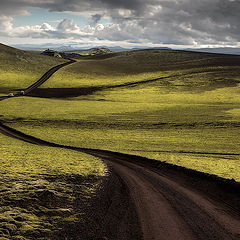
(169, 210)
(42, 80)
(170, 204)
(166, 202)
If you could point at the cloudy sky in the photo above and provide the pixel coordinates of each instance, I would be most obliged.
(174, 23)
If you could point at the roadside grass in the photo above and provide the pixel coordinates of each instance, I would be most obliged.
(38, 188)
(144, 120)
(27, 159)
(19, 69)
(152, 143)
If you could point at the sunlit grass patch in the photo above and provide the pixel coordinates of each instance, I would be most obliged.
(135, 127)
(20, 158)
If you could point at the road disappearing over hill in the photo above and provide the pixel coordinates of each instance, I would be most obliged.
(171, 202)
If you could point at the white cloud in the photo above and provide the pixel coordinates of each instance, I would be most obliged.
(67, 25)
(46, 27)
(179, 22)
(5, 24)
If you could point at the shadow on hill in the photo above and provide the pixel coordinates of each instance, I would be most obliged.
(63, 92)
(83, 91)
(167, 81)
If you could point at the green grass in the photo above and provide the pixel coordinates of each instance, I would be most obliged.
(19, 69)
(31, 160)
(123, 121)
(195, 111)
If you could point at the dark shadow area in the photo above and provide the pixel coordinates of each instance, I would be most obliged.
(72, 214)
(63, 92)
(165, 81)
(82, 91)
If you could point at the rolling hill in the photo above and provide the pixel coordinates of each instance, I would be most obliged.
(177, 107)
(156, 103)
(20, 68)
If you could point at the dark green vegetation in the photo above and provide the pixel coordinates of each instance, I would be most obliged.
(78, 54)
(51, 53)
(173, 106)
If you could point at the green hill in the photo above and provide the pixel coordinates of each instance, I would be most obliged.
(203, 69)
(20, 68)
(175, 106)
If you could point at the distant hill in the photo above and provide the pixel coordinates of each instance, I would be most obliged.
(73, 47)
(226, 50)
(142, 48)
(92, 51)
(86, 53)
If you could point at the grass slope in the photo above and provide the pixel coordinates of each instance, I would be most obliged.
(20, 69)
(185, 118)
(195, 109)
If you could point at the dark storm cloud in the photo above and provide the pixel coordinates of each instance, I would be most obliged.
(95, 19)
(156, 21)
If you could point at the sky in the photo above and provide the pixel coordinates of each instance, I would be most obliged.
(126, 23)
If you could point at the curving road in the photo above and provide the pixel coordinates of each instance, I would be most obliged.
(43, 79)
(168, 204)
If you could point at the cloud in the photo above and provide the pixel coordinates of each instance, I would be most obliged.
(95, 19)
(179, 22)
(67, 25)
(5, 24)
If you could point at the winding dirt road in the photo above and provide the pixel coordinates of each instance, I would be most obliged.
(170, 204)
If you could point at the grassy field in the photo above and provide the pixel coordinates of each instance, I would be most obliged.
(142, 128)
(189, 116)
(194, 109)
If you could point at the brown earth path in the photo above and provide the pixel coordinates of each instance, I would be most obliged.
(169, 210)
(168, 207)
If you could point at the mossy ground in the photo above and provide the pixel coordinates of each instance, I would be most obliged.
(40, 187)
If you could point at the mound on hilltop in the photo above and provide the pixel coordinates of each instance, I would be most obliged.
(86, 53)
(51, 53)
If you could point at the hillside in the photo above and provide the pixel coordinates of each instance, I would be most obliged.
(142, 65)
(94, 51)
(175, 107)
(20, 68)
(163, 104)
